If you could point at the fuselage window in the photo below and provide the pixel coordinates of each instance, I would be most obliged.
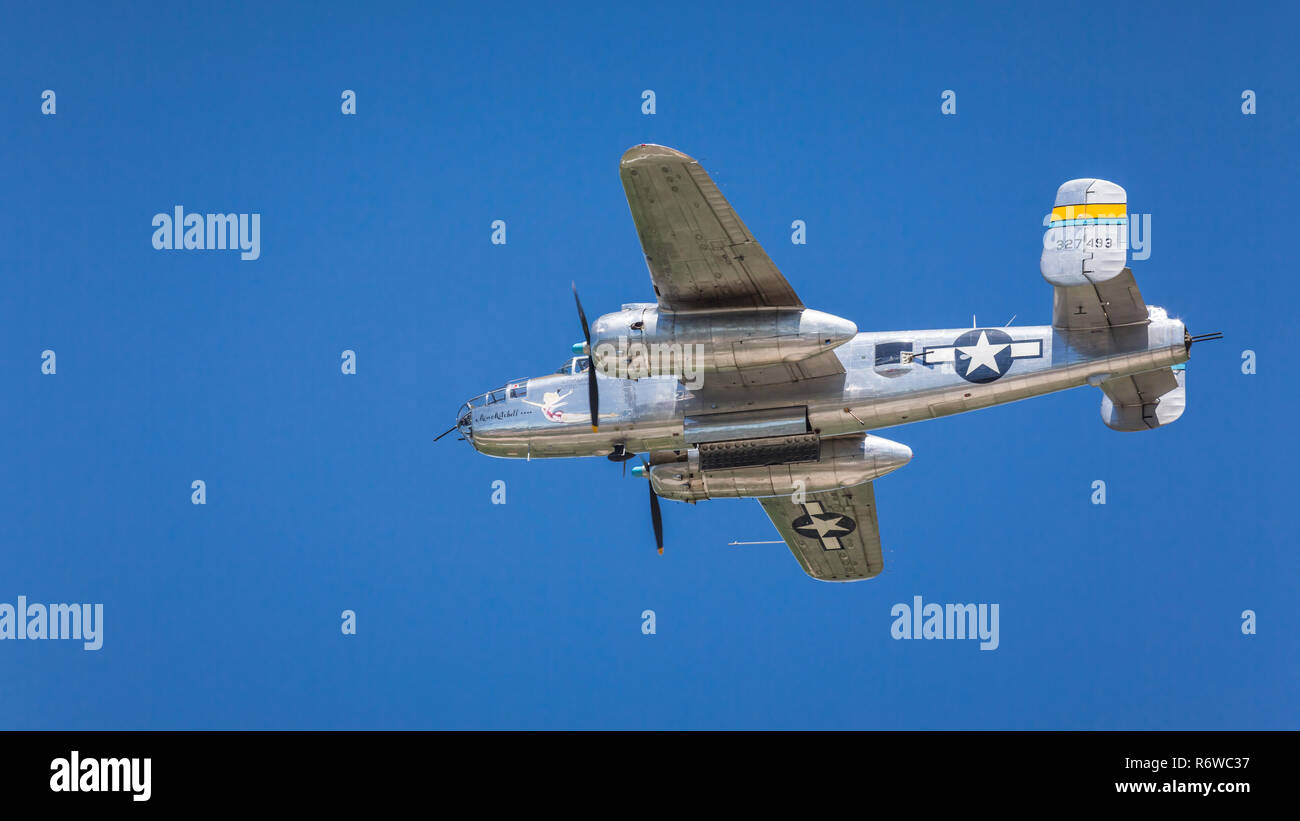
(890, 353)
(516, 391)
(496, 396)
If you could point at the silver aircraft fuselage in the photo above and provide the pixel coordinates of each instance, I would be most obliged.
(953, 371)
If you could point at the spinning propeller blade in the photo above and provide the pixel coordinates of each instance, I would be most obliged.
(593, 396)
(656, 518)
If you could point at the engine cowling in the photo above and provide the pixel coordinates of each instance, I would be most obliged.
(641, 341)
(841, 462)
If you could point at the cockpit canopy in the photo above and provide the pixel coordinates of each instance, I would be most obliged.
(518, 388)
(578, 364)
(512, 390)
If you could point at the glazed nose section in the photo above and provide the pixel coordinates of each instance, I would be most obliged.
(490, 436)
(461, 426)
(464, 422)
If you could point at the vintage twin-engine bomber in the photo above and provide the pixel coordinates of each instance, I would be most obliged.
(735, 389)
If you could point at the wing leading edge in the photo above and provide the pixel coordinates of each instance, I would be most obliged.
(834, 535)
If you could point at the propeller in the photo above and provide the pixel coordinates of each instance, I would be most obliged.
(593, 395)
(656, 518)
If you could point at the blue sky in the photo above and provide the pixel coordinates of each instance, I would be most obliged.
(325, 492)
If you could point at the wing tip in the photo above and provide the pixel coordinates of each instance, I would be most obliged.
(649, 152)
(844, 579)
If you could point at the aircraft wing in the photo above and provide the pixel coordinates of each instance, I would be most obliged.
(834, 535)
(700, 255)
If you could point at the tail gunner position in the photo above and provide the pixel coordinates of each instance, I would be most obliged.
(735, 389)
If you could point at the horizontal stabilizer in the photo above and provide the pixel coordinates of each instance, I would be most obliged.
(1144, 400)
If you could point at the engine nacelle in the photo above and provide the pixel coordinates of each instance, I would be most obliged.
(640, 341)
(842, 462)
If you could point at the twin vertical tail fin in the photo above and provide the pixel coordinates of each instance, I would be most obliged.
(1085, 257)
(1144, 401)
(1098, 306)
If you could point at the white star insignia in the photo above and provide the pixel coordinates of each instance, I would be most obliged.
(983, 354)
(825, 526)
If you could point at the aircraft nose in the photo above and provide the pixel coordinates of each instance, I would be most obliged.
(464, 426)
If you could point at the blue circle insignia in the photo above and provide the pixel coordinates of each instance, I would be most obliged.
(982, 355)
(823, 525)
